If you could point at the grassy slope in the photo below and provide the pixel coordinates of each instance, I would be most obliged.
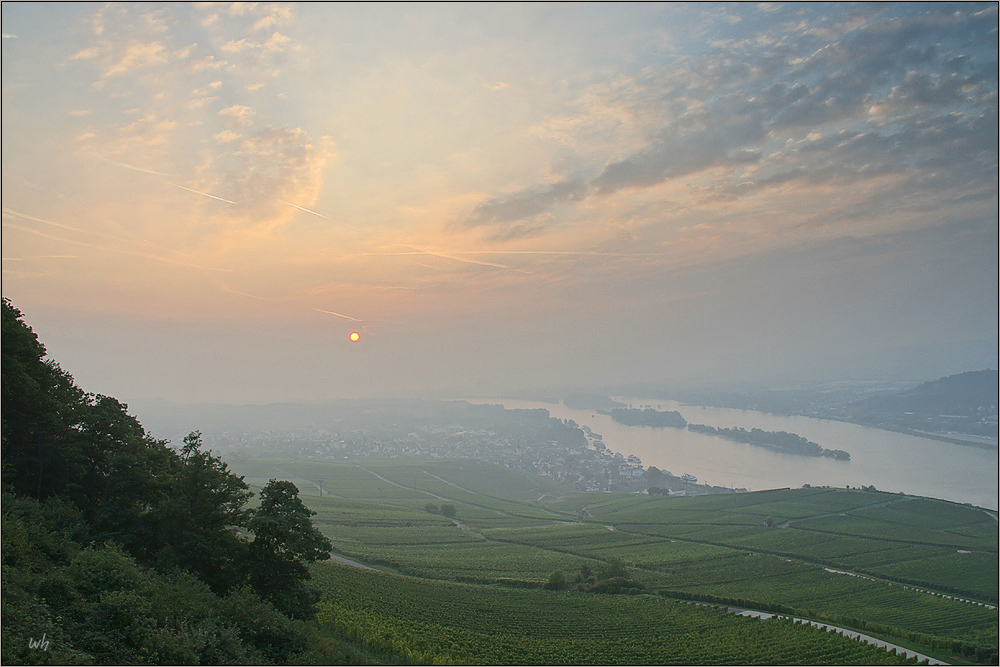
(513, 528)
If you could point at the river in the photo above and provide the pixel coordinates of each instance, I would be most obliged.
(890, 461)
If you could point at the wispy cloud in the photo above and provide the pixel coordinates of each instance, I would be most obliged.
(523, 207)
(139, 247)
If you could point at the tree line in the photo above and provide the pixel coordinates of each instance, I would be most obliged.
(121, 549)
(790, 443)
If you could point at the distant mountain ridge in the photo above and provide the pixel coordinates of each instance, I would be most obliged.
(973, 393)
(962, 404)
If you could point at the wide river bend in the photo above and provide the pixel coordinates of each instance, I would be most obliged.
(890, 461)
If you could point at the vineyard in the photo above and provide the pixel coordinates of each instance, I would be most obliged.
(921, 571)
(442, 623)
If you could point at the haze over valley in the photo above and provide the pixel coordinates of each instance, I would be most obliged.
(444, 333)
(203, 202)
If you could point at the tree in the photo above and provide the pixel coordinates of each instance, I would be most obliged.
(557, 581)
(652, 476)
(199, 520)
(284, 541)
(40, 408)
(586, 575)
(448, 510)
(614, 567)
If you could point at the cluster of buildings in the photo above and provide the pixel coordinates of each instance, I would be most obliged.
(567, 453)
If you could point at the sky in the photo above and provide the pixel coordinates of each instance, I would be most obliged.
(201, 202)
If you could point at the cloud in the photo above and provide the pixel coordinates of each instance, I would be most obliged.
(207, 63)
(754, 98)
(676, 156)
(264, 171)
(87, 54)
(896, 112)
(226, 136)
(238, 114)
(137, 55)
(508, 215)
(277, 42)
(200, 102)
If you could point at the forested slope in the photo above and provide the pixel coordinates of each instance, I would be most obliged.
(117, 549)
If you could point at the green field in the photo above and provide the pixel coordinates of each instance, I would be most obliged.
(918, 570)
(435, 622)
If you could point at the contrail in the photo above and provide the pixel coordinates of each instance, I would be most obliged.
(96, 246)
(303, 208)
(330, 312)
(326, 287)
(320, 215)
(585, 253)
(18, 214)
(197, 192)
(160, 173)
(133, 167)
(226, 288)
(346, 317)
(364, 323)
(136, 253)
(147, 244)
(468, 261)
(418, 251)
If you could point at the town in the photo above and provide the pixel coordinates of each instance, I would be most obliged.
(527, 440)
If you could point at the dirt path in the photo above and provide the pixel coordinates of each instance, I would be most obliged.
(854, 509)
(402, 486)
(460, 488)
(348, 561)
(900, 650)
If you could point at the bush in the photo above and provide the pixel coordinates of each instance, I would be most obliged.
(557, 581)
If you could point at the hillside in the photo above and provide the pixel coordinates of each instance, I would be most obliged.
(119, 549)
(917, 571)
(965, 403)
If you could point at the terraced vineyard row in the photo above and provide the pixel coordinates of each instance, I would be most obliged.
(449, 623)
(777, 549)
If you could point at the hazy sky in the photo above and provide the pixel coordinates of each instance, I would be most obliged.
(202, 201)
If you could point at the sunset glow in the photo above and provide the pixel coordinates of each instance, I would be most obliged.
(516, 195)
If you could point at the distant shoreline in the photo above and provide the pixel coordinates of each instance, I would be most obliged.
(905, 431)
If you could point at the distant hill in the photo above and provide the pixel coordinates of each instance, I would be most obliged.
(966, 394)
(962, 403)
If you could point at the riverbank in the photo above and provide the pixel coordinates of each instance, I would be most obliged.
(888, 460)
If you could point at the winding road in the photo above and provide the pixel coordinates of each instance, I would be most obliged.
(900, 650)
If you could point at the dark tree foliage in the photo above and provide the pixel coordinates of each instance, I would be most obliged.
(119, 550)
(284, 541)
(199, 518)
(648, 417)
(557, 581)
(612, 568)
(40, 412)
(781, 440)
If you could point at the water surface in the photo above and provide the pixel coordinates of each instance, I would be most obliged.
(890, 461)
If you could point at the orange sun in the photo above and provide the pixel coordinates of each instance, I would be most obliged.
(355, 336)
